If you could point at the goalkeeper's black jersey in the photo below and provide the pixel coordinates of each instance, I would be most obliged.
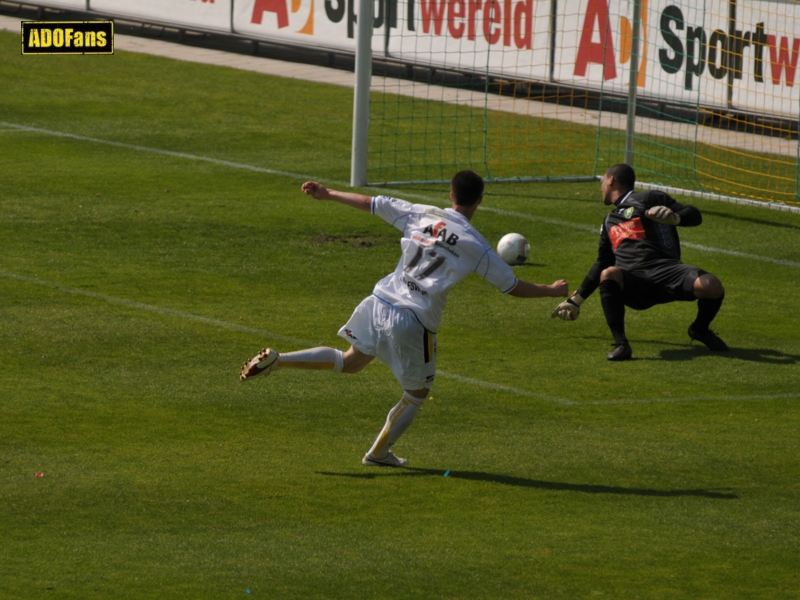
(632, 241)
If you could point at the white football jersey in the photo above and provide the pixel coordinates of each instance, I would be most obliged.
(440, 248)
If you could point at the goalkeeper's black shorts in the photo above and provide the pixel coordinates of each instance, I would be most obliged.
(660, 282)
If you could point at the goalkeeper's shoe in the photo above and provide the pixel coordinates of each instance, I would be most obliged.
(621, 352)
(709, 338)
(262, 363)
(390, 460)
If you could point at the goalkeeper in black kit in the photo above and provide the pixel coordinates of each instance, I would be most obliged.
(639, 263)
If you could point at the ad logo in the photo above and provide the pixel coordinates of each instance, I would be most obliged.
(693, 48)
(68, 37)
(597, 20)
(281, 11)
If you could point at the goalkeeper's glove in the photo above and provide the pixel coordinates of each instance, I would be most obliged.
(663, 214)
(570, 308)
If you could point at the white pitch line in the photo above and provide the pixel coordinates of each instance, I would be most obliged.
(549, 221)
(777, 261)
(216, 161)
(505, 388)
(260, 332)
(595, 229)
(305, 177)
(454, 376)
(153, 308)
(690, 399)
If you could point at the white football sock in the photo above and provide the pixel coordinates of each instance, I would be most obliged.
(397, 421)
(314, 359)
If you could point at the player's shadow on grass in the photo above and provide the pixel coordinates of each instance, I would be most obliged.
(534, 483)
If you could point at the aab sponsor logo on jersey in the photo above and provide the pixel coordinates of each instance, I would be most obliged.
(439, 233)
(68, 37)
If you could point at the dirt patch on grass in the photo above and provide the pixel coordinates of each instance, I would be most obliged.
(356, 241)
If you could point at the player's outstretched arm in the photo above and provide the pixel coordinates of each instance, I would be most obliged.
(526, 289)
(320, 192)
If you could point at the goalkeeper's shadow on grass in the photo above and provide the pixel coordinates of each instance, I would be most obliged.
(759, 355)
(684, 352)
(555, 486)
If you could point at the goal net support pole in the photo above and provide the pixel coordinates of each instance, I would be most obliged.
(630, 128)
(363, 76)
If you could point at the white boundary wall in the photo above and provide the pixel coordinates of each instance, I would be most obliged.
(404, 88)
(213, 15)
(74, 4)
(511, 38)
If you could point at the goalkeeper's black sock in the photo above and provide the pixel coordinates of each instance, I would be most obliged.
(614, 308)
(707, 309)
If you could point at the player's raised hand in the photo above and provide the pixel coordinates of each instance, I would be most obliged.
(315, 190)
(662, 214)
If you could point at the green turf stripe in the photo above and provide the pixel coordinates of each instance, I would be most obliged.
(184, 155)
(444, 374)
(226, 163)
(260, 332)
(157, 309)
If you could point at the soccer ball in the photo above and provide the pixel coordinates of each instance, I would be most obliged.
(513, 248)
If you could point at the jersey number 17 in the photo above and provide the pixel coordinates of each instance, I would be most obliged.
(424, 263)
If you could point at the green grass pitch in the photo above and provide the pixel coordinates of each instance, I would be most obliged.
(134, 283)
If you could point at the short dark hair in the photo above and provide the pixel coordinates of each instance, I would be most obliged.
(467, 188)
(624, 174)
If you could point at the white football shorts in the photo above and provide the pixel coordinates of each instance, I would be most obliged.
(397, 338)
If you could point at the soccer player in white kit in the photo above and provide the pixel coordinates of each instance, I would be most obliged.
(398, 322)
